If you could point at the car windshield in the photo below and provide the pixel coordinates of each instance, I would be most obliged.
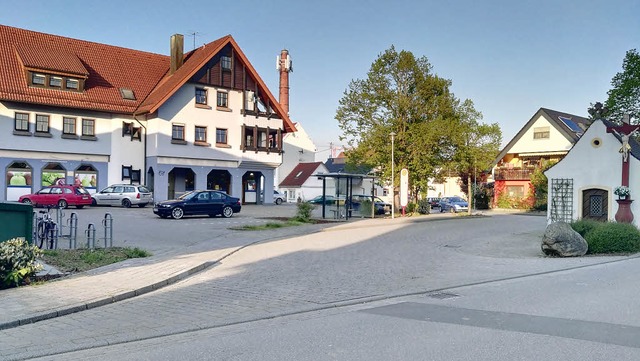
(81, 191)
(456, 199)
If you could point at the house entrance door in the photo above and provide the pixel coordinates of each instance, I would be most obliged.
(595, 204)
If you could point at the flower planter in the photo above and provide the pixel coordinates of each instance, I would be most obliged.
(624, 214)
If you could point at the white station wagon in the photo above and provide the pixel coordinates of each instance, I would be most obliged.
(123, 195)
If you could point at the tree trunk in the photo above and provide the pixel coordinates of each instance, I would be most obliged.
(469, 194)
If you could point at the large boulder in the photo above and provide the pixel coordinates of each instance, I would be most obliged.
(560, 239)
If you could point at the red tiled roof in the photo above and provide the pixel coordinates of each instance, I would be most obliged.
(194, 61)
(300, 174)
(107, 68)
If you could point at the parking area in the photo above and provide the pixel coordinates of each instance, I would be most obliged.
(139, 227)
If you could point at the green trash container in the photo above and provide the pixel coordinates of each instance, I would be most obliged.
(16, 220)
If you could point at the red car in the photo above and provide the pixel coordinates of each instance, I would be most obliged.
(60, 195)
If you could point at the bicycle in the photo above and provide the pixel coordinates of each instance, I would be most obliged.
(46, 230)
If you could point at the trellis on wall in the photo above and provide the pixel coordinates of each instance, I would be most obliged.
(561, 200)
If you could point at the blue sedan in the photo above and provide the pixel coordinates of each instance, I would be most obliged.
(453, 205)
(205, 202)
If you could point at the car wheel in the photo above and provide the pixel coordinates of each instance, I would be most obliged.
(80, 207)
(452, 210)
(26, 201)
(177, 213)
(278, 201)
(227, 212)
(142, 205)
(62, 203)
(94, 202)
(126, 203)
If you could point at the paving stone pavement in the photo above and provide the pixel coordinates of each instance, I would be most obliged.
(292, 270)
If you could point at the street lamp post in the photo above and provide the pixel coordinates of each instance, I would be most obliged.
(393, 188)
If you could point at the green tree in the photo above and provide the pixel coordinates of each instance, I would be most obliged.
(624, 97)
(402, 95)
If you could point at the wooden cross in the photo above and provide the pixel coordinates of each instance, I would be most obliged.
(625, 131)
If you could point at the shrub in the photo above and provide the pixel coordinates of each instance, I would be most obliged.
(424, 207)
(366, 208)
(303, 213)
(584, 226)
(411, 207)
(17, 262)
(613, 238)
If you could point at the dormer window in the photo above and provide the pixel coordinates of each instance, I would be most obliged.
(38, 79)
(55, 82)
(72, 84)
(51, 81)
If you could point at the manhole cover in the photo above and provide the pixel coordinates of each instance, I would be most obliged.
(442, 295)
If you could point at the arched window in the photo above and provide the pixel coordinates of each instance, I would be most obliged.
(53, 174)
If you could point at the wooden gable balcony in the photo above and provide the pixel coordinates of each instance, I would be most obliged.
(504, 173)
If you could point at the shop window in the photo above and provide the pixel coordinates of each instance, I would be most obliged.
(18, 174)
(86, 176)
(53, 174)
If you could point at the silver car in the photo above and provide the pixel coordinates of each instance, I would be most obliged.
(123, 195)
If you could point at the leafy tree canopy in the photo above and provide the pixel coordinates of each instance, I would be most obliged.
(434, 130)
(624, 97)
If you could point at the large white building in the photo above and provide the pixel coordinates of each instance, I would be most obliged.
(78, 111)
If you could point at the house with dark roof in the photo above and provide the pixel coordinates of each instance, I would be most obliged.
(582, 184)
(95, 114)
(546, 137)
(301, 185)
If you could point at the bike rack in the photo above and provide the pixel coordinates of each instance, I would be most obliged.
(73, 230)
(91, 235)
(107, 222)
(34, 220)
(59, 218)
(54, 236)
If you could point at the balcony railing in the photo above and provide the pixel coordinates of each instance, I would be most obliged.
(513, 174)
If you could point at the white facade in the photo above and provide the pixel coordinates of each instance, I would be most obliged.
(450, 187)
(594, 162)
(46, 153)
(297, 148)
(312, 187)
(528, 144)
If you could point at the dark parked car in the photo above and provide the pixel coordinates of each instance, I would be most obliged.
(381, 207)
(327, 200)
(434, 202)
(206, 202)
(453, 204)
(59, 195)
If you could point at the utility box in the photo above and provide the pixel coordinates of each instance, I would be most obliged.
(16, 220)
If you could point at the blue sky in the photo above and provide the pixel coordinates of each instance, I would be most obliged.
(509, 57)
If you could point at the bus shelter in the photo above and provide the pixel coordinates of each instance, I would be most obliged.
(342, 210)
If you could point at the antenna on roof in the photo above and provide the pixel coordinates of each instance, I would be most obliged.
(194, 34)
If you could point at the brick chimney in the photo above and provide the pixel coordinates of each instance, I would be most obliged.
(285, 66)
(177, 52)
